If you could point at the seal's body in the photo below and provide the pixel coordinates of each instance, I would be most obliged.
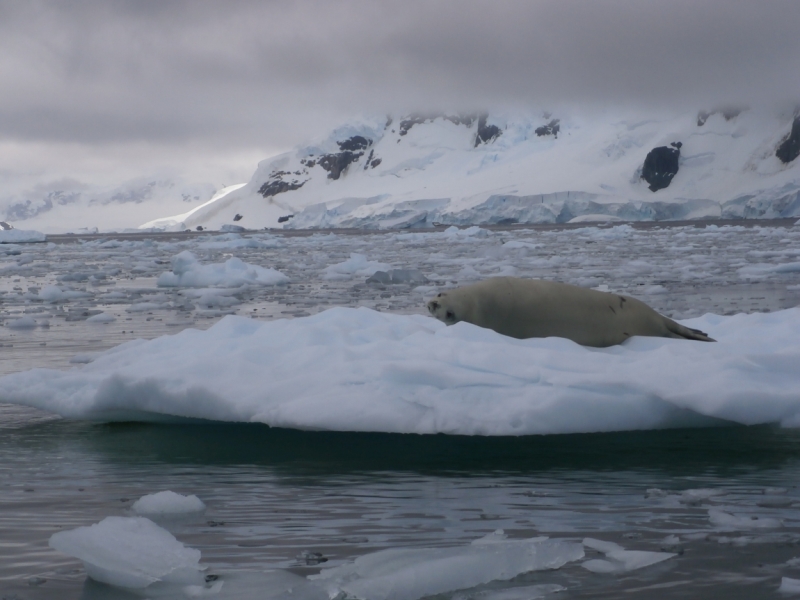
(526, 308)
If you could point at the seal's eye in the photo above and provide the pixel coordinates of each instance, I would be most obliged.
(439, 295)
(449, 315)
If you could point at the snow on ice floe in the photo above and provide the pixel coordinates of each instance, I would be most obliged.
(166, 504)
(412, 573)
(361, 370)
(130, 552)
(618, 559)
(188, 272)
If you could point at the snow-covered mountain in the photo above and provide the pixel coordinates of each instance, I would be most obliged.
(71, 205)
(539, 167)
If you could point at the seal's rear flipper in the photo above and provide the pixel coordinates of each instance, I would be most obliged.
(687, 333)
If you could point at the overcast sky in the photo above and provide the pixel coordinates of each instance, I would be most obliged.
(104, 89)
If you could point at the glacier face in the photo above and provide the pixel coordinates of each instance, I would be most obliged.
(534, 167)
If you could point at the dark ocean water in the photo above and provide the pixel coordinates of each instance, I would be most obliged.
(274, 494)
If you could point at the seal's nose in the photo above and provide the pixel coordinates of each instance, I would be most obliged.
(432, 306)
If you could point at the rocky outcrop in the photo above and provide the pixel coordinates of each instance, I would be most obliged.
(790, 147)
(278, 185)
(486, 133)
(552, 128)
(661, 165)
(351, 150)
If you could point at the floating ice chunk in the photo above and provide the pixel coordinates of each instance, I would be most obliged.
(394, 276)
(83, 358)
(789, 585)
(526, 592)
(620, 559)
(130, 552)
(356, 265)
(167, 503)
(20, 236)
(465, 235)
(188, 272)
(234, 241)
(22, 322)
(728, 521)
(699, 495)
(411, 573)
(52, 293)
(519, 244)
(101, 318)
(498, 535)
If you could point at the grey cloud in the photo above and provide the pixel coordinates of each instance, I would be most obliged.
(273, 73)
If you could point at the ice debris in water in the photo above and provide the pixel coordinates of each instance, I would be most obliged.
(526, 592)
(188, 272)
(101, 318)
(167, 503)
(356, 265)
(729, 522)
(411, 573)
(395, 276)
(789, 586)
(619, 559)
(130, 552)
(22, 323)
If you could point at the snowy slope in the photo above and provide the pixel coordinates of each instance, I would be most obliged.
(70, 205)
(504, 168)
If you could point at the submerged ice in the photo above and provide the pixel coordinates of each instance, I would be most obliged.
(412, 573)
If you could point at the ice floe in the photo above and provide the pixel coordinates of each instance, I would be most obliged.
(167, 503)
(188, 272)
(618, 559)
(411, 573)
(361, 370)
(130, 552)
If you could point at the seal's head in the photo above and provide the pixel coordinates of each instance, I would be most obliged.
(440, 308)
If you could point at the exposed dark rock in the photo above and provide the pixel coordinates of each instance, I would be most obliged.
(790, 147)
(375, 162)
(552, 128)
(334, 164)
(369, 158)
(238, 217)
(199, 228)
(407, 124)
(278, 186)
(284, 219)
(5, 226)
(486, 133)
(309, 163)
(351, 150)
(661, 165)
(354, 144)
(677, 145)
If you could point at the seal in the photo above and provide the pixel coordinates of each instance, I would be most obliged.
(528, 308)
